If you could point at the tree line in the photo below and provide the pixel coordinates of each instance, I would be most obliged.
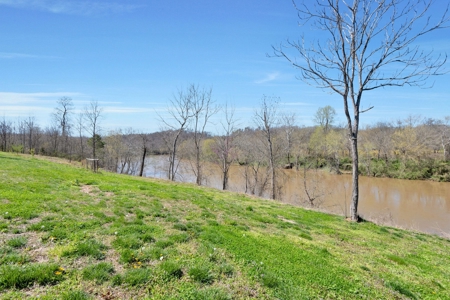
(413, 148)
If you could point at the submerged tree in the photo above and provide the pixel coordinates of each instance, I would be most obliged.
(366, 45)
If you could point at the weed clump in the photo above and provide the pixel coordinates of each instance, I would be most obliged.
(76, 295)
(17, 242)
(171, 269)
(201, 274)
(136, 277)
(99, 273)
(90, 248)
(21, 277)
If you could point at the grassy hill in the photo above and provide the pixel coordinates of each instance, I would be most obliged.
(68, 233)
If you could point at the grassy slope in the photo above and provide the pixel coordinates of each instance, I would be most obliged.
(68, 233)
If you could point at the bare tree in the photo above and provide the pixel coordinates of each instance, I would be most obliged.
(79, 126)
(62, 118)
(266, 119)
(31, 127)
(180, 113)
(368, 45)
(92, 115)
(225, 145)
(6, 131)
(288, 127)
(202, 109)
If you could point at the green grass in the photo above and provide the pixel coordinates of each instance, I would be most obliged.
(68, 233)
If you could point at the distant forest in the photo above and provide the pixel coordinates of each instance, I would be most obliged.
(413, 148)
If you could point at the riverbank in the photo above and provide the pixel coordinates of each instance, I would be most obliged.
(69, 233)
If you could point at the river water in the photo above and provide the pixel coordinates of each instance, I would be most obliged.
(411, 204)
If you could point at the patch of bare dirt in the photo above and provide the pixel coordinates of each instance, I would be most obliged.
(89, 189)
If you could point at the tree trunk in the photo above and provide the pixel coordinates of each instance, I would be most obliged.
(198, 164)
(143, 162)
(355, 185)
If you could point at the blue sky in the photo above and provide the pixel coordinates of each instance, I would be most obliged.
(133, 55)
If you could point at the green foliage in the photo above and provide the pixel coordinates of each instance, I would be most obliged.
(396, 286)
(136, 277)
(180, 226)
(171, 269)
(21, 277)
(89, 247)
(76, 295)
(201, 273)
(17, 242)
(211, 294)
(99, 143)
(9, 255)
(99, 273)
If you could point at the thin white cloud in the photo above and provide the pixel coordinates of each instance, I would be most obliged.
(10, 55)
(295, 103)
(128, 110)
(14, 55)
(71, 6)
(23, 98)
(268, 78)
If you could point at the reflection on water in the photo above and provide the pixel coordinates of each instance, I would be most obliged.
(412, 204)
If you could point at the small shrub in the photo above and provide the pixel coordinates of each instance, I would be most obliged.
(201, 274)
(99, 273)
(17, 242)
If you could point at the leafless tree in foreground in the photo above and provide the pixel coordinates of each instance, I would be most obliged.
(225, 145)
(367, 45)
(180, 112)
(266, 119)
(203, 108)
(92, 115)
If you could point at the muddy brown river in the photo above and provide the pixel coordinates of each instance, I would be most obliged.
(411, 204)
